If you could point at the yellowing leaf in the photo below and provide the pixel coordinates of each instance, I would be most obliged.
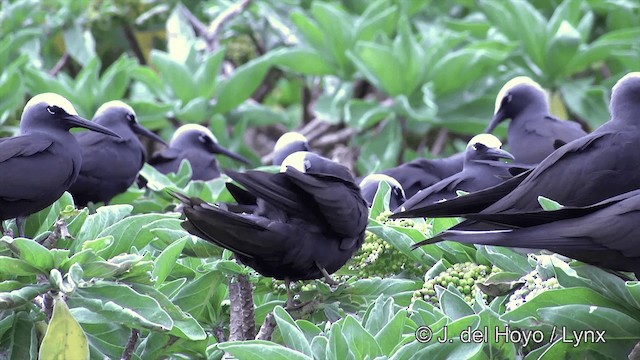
(64, 339)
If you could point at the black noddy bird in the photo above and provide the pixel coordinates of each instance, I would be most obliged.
(309, 220)
(287, 144)
(604, 234)
(40, 164)
(421, 173)
(369, 187)
(588, 170)
(533, 132)
(197, 144)
(482, 169)
(110, 165)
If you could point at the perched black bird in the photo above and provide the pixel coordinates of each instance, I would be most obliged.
(604, 234)
(110, 165)
(197, 144)
(482, 169)
(533, 132)
(40, 164)
(369, 187)
(287, 144)
(585, 171)
(309, 220)
(421, 173)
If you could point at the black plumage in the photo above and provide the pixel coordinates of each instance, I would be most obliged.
(533, 132)
(421, 173)
(482, 169)
(308, 221)
(40, 164)
(287, 144)
(196, 144)
(587, 170)
(604, 234)
(110, 165)
(369, 187)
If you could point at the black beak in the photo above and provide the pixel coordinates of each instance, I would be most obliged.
(138, 129)
(217, 149)
(498, 154)
(496, 120)
(77, 121)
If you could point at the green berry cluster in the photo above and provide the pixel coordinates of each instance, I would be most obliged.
(379, 258)
(534, 284)
(462, 275)
(240, 49)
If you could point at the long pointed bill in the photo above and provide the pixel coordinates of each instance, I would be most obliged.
(499, 154)
(138, 129)
(495, 121)
(217, 149)
(77, 121)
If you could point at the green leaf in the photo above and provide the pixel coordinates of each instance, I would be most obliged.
(64, 338)
(291, 334)
(548, 204)
(505, 259)
(301, 61)
(164, 263)
(175, 75)
(338, 346)
(43, 220)
(104, 217)
(258, 350)
(184, 325)
(80, 43)
(241, 84)
(31, 252)
(198, 296)
(206, 76)
(133, 231)
(392, 333)
(16, 267)
(452, 304)
(361, 343)
(21, 341)
(121, 304)
(21, 296)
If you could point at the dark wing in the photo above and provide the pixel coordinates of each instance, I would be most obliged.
(553, 128)
(421, 173)
(21, 167)
(467, 204)
(24, 145)
(276, 189)
(339, 203)
(242, 196)
(582, 172)
(443, 189)
(163, 156)
(247, 235)
(99, 150)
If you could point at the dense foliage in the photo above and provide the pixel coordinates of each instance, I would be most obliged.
(372, 83)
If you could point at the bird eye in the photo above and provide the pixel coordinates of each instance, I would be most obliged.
(307, 165)
(51, 110)
(509, 97)
(203, 138)
(131, 117)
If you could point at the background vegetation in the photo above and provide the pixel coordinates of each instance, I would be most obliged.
(371, 83)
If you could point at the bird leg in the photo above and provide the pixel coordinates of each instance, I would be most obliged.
(327, 277)
(20, 224)
(287, 284)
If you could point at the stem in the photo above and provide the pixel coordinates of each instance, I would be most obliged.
(131, 345)
(60, 64)
(133, 43)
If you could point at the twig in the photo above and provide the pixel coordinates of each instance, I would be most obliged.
(441, 139)
(131, 345)
(233, 10)
(334, 138)
(268, 84)
(249, 320)
(60, 64)
(198, 26)
(267, 328)
(60, 231)
(306, 105)
(133, 43)
(218, 333)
